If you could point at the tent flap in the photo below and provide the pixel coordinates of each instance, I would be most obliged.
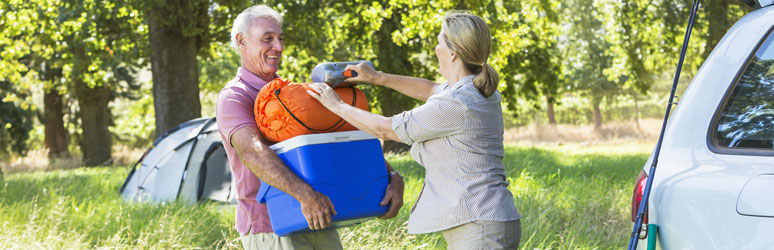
(187, 163)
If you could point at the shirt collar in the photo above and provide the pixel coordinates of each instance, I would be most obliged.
(463, 81)
(251, 79)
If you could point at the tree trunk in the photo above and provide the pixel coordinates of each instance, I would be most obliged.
(597, 113)
(718, 24)
(175, 72)
(95, 119)
(5, 156)
(55, 133)
(636, 111)
(550, 110)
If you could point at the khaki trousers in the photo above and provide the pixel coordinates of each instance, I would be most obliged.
(317, 240)
(484, 235)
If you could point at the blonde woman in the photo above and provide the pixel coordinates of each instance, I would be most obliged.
(457, 136)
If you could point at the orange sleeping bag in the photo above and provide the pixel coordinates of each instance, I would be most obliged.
(284, 110)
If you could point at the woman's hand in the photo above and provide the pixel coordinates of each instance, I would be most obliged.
(325, 94)
(365, 74)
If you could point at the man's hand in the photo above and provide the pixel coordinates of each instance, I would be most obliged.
(317, 209)
(393, 196)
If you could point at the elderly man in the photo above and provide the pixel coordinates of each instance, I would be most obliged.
(257, 36)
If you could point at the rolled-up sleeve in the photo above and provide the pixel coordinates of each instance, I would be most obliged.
(233, 111)
(438, 117)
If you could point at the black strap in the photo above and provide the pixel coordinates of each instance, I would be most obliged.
(334, 127)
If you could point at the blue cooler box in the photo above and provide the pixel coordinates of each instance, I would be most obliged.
(348, 167)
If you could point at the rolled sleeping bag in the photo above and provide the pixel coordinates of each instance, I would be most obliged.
(284, 110)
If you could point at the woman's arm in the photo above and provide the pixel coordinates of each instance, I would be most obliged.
(371, 123)
(414, 87)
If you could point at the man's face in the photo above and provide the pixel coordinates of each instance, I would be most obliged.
(262, 48)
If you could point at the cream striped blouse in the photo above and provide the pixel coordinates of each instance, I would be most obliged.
(457, 136)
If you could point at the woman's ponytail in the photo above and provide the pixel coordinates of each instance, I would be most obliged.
(486, 80)
(469, 37)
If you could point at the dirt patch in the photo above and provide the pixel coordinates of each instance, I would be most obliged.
(37, 160)
(646, 130)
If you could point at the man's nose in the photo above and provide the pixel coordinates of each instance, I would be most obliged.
(277, 45)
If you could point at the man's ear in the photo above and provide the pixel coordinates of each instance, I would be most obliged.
(240, 39)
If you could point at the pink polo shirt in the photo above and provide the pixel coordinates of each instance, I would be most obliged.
(233, 111)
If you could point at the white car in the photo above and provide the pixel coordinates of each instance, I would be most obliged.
(714, 183)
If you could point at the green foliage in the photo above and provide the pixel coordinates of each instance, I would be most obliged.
(15, 120)
(209, 21)
(99, 41)
(634, 49)
(136, 126)
(570, 197)
(399, 37)
(588, 52)
(567, 52)
(528, 54)
(16, 111)
(219, 68)
(73, 46)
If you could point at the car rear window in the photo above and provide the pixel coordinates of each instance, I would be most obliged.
(747, 117)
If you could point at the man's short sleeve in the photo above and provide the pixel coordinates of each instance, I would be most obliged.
(233, 111)
(440, 116)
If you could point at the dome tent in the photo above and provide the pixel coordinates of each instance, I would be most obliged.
(187, 162)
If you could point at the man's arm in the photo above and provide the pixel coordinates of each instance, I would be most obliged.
(393, 195)
(264, 163)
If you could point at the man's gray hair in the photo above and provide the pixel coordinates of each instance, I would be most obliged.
(242, 21)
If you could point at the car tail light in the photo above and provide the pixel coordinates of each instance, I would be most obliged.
(639, 189)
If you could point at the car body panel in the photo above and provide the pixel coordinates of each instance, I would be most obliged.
(756, 197)
(695, 190)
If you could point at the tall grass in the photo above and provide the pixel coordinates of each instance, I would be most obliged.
(570, 196)
(81, 209)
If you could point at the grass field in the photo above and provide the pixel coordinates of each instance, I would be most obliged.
(571, 196)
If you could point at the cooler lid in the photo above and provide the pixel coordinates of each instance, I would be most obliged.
(303, 140)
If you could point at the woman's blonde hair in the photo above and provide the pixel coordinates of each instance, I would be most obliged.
(468, 36)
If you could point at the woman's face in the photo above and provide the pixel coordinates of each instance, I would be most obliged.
(444, 55)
